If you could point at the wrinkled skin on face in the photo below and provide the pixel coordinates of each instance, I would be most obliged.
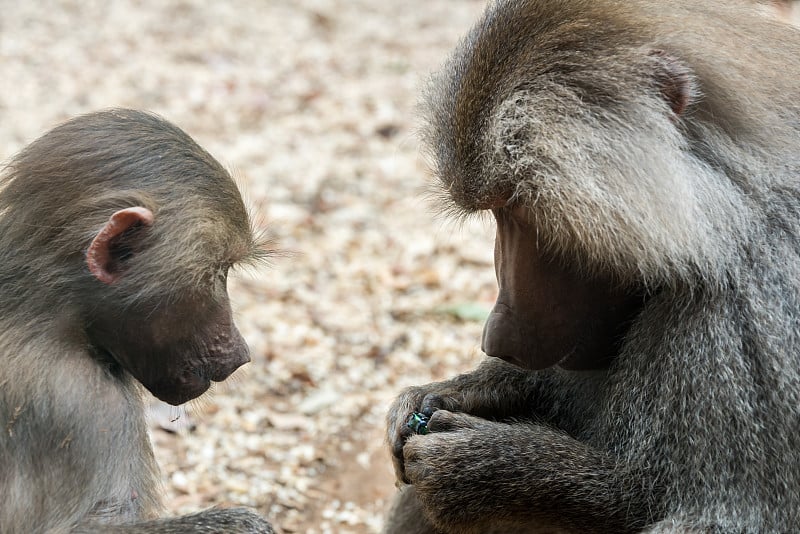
(545, 313)
(177, 353)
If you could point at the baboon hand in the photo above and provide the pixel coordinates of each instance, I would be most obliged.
(447, 464)
(467, 469)
(425, 400)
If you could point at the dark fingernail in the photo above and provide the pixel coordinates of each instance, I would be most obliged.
(427, 411)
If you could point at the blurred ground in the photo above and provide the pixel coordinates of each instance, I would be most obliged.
(311, 102)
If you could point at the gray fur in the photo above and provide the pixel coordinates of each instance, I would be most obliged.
(74, 450)
(696, 425)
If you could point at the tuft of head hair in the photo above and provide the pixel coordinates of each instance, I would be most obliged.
(59, 191)
(636, 139)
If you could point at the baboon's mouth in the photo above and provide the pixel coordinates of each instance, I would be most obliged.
(588, 342)
(181, 389)
(211, 375)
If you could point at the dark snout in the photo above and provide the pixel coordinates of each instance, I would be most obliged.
(191, 370)
(228, 357)
(548, 313)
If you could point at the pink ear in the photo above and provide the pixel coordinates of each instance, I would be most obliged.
(674, 80)
(99, 256)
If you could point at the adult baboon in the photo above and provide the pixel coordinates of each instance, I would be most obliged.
(116, 235)
(642, 161)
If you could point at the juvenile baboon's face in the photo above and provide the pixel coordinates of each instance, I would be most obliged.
(177, 352)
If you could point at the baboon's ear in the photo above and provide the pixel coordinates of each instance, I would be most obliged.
(111, 246)
(673, 78)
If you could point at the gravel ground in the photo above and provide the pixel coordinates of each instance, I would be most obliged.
(311, 103)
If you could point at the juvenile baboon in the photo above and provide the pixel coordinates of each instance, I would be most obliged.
(116, 235)
(642, 162)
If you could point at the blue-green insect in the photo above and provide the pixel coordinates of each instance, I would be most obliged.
(418, 422)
